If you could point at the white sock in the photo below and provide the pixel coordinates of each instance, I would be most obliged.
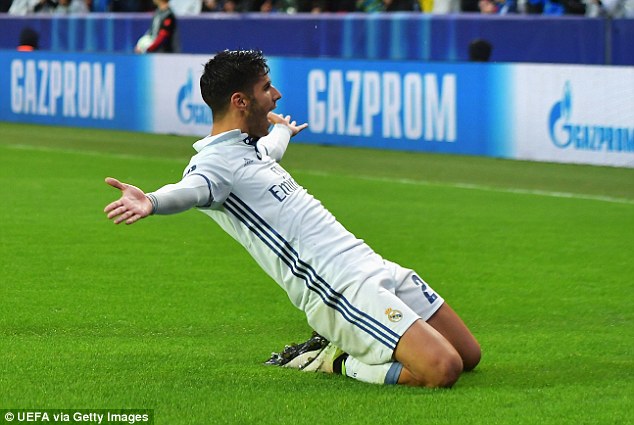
(387, 373)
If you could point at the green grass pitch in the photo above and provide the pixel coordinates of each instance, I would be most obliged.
(172, 315)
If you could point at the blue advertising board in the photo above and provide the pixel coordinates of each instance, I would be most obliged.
(397, 105)
(561, 113)
(82, 90)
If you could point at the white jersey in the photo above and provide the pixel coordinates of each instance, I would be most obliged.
(349, 293)
(290, 234)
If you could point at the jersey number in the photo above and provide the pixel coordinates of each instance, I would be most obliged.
(427, 292)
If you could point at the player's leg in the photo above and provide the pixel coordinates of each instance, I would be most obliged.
(428, 358)
(430, 306)
(451, 326)
(318, 355)
(432, 354)
(424, 358)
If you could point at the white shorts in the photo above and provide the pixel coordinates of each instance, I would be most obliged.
(368, 320)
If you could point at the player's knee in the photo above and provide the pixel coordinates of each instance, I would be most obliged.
(447, 372)
(471, 358)
(441, 372)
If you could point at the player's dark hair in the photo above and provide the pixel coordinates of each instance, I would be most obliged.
(228, 72)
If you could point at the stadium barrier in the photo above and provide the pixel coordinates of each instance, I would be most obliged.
(559, 113)
(393, 36)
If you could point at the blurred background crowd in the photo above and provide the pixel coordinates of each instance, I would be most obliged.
(592, 8)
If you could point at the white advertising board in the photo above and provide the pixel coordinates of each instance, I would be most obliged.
(174, 95)
(574, 114)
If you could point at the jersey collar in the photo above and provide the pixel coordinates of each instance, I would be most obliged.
(219, 138)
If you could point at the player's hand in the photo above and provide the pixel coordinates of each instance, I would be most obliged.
(131, 207)
(286, 120)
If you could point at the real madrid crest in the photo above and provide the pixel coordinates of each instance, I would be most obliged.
(393, 315)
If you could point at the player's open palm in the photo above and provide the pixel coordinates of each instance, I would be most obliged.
(286, 120)
(131, 207)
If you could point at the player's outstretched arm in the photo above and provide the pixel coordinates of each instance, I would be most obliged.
(132, 206)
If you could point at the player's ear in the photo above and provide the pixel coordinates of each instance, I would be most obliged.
(240, 100)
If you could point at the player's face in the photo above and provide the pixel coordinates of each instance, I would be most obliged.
(265, 97)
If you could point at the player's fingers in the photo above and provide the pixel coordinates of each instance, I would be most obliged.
(124, 215)
(111, 206)
(120, 211)
(115, 183)
(133, 219)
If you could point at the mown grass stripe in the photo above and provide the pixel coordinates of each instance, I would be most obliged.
(470, 186)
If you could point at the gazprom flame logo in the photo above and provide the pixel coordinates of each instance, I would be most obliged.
(188, 111)
(566, 134)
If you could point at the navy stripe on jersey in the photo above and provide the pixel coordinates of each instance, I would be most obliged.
(295, 254)
(211, 196)
(304, 271)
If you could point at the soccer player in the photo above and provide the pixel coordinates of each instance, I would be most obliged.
(162, 32)
(383, 323)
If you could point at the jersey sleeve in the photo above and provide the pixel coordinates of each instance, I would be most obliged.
(191, 191)
(206, 183)
(275, 143)
(215, 170)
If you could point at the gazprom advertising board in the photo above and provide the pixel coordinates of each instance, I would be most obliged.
(393, 105)
(575, 114)
(72, 90)
(174, 95)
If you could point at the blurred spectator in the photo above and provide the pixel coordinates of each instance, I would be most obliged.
(66, 7)
(556, 7)
(342, 6)
(267, 6)
(370, 6)
(311, 6)
(5, 5)
(186, 7)
(264, 6)
(29, 40)
(130, 5)
(231, 6)
(22, 7)
(101, 5)
(398, 5)
(470, 6)
(497, 7)
(480, 50)
(163, 32)
(211, 6)
(45, 6)
(446, 6)
(610, 8)
(425, 6)
(126, 5)
(319, 6)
